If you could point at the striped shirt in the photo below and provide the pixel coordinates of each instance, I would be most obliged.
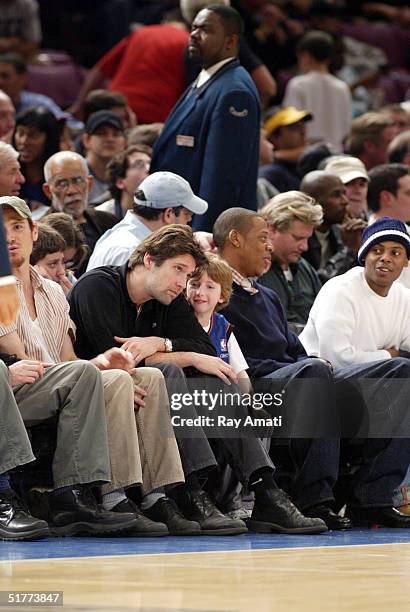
(53, 318)
(243, 281)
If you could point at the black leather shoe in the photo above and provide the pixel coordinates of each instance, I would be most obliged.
(198, 506)
(144, 527)
(386, 517)
(332, 520)
(75, 512)
(274, 512)
(16, 523)
(166, 511)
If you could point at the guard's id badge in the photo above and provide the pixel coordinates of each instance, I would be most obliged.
(185, 141)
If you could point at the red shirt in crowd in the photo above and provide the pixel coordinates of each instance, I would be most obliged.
(147, 67)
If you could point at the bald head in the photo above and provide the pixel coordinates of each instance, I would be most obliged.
(4, 96)
(329, 191)
(59, 160)
(318, 182)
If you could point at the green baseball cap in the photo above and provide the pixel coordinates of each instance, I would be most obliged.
(18, 204)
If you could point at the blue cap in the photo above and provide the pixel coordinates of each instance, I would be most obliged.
(385, 228)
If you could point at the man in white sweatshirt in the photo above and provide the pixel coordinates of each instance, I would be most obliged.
(360, 322)
(363, 316)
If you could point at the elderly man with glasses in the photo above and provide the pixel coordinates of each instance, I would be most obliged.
(67, 185)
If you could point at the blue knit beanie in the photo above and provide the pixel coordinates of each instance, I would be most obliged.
(385, 228)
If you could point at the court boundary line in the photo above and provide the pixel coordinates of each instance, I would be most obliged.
(195, 552)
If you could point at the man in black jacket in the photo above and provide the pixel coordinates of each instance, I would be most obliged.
(334, 244)
(292, 218)
(141, 307)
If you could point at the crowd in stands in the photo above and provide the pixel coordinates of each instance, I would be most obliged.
(221, 206)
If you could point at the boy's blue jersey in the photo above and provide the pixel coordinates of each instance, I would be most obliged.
(219, 333)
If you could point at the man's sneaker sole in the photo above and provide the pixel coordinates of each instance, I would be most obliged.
(29, 535)
(84, 528)
(186, 532)
(226, 531)
(262, 527)
(132, 533)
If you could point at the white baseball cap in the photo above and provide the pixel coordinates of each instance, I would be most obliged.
(169, 190)
(347, 168)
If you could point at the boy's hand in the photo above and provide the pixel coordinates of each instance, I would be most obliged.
(65, 283)
(215, 366)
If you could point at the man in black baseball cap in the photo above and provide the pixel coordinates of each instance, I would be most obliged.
(103, 138)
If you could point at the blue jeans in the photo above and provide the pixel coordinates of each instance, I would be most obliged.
(316, 460)
(385, 460)
(401, 495)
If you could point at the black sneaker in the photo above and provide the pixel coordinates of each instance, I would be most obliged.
(144, 527)
(166, 511)
(16, 523)
(76, 512)
(198, 506)
(332, 520)
(274, 512)
(386, 517)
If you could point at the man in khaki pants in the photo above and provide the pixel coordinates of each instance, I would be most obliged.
(44, 332)
(77, 461)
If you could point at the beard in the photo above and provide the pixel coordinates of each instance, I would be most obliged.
(75, 212)
(16, 261)
(163, 298)
(161, 295)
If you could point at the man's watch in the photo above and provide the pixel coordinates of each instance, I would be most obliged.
(168, 345)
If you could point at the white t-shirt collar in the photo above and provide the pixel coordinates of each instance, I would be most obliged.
(207, 73)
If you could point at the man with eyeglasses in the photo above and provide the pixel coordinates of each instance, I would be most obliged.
(67, 185)
(125, 173)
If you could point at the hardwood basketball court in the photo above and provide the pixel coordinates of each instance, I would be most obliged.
(355, 570)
